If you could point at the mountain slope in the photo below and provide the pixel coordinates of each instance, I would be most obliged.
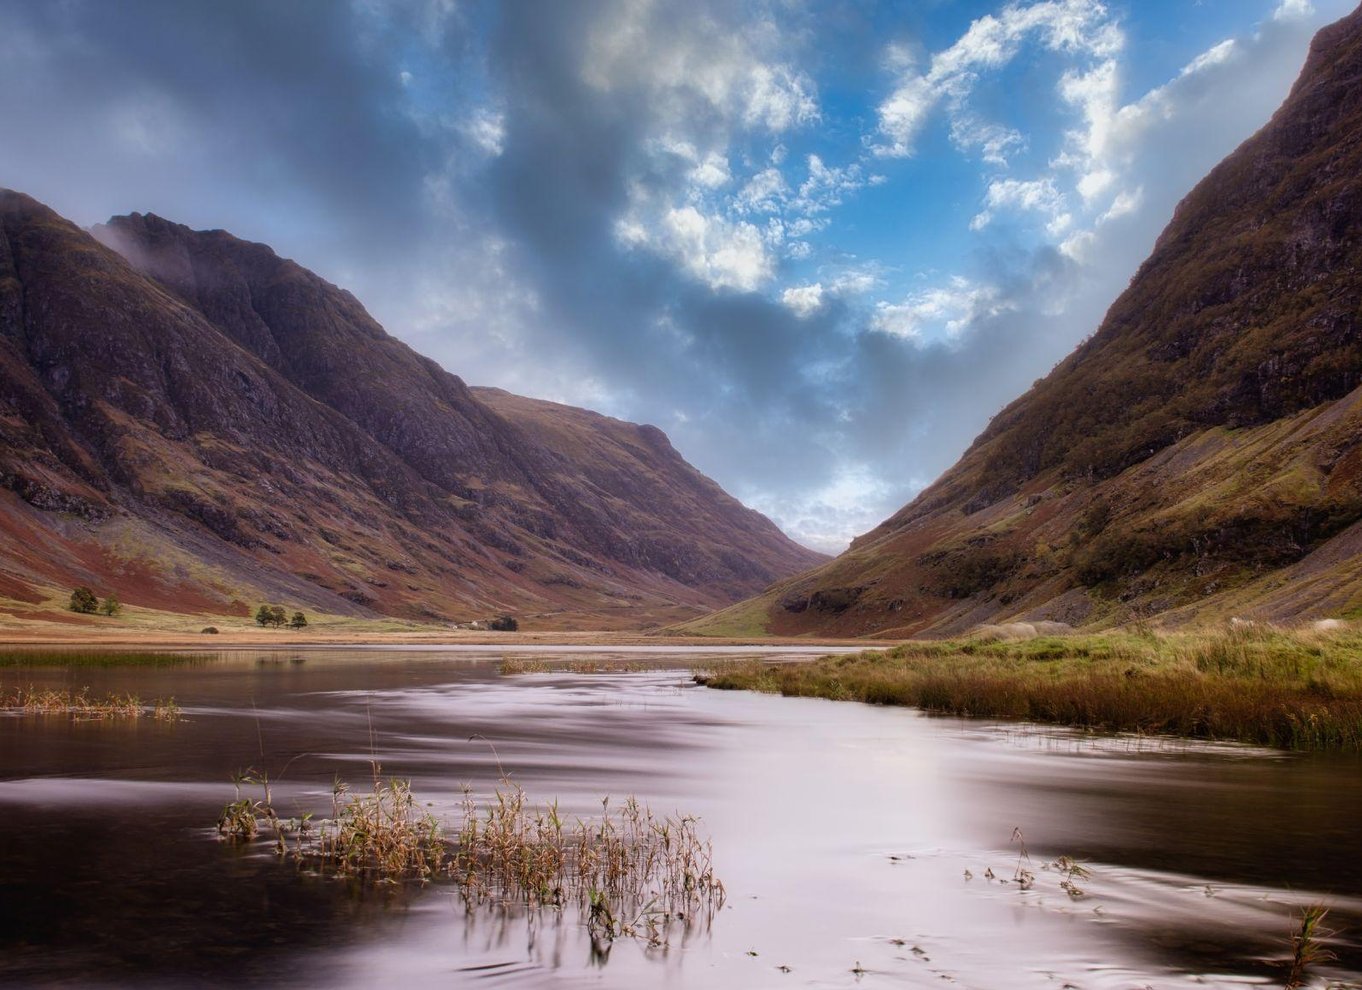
(207, 424)
(1198, 454)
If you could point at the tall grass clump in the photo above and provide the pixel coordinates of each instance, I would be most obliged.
(628, 872)
(511, 666)
(1257, 684)
(1307, 948)
(82, 705)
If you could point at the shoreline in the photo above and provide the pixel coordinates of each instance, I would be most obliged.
(246, 639)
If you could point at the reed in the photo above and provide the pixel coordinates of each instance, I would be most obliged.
(82, 705)
(1297, 690)
(588, 665)
(1307, 948)
(628, 872)
(100, 658)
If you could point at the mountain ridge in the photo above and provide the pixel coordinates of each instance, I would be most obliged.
(198, 391)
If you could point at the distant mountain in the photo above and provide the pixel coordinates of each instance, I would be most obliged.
(198, 424)
(1200, 455)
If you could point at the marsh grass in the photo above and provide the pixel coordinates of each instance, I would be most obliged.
(100, 658)
(382, 835)
(628, 872)
(82, 705)
(1254, 683)
(1307, 948)
(595, 665)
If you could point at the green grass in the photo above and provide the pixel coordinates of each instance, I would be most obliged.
(100, 658)
(1292, 690)
(745, 620)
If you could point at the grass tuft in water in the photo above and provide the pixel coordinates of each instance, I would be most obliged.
(382, 835)
(629, 872)
(81, 705)
(511, 666)
(1307, 948)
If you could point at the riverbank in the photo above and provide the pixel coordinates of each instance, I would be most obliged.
(1292, 689)
(342, 632)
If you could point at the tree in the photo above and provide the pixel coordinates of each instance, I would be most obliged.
(299, 621)
(111, 605)
(278, 617)
(504, 623)
(263, 615)
(84, 600)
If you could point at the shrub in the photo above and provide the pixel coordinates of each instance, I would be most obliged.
(84, 600)
(209, 630)
(271, 615)
(504, 623)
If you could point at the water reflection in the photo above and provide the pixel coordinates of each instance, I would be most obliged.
(842, 832)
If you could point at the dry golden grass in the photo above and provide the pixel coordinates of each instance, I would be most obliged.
(1251, 683)
(629, 872)
(82, 705)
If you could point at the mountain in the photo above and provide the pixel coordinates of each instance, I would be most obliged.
(1198, 456)
(197, 424)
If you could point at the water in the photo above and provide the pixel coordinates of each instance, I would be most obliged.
(842, 833)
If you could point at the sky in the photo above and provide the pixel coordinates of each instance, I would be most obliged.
(820, 243)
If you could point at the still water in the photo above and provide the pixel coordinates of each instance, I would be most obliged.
(843, 834)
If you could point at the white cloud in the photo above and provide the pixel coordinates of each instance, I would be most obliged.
(1292, 9)
(1077, 28)
(825, 517)
(764, 192)
(853, 281)
(803, 300)
(949, 308)
(733, 72)
(712, 172)
(722, 254)
(487, 129)
(1038, 195)
(904, 113)
(826, 185)
(993, 142)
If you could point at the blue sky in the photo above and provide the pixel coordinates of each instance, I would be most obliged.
(819, 242)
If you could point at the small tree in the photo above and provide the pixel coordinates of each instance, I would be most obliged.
(278, 617)
(84, 600)
(299, 621)
(504, 623)
(111, 605)
(263, 615)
